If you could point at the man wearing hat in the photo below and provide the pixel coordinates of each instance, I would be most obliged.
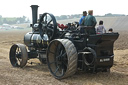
(89, 23)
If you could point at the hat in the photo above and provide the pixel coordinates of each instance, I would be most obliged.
(90, 11)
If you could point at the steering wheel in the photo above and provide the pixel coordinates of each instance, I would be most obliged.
(47, 26)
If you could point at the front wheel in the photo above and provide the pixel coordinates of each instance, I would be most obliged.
(18, 55)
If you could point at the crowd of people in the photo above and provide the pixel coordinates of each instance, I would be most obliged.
(88, 22)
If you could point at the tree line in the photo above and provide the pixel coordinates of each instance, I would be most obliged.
(62, 17)
(24, 19)
(14, 20)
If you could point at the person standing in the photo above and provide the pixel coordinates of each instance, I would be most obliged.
(100, 29)
(84, 14)
(89, 23)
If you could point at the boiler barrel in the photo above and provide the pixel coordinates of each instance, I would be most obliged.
(34, 40)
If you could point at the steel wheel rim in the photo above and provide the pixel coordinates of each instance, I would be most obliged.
(58, 64)
(15, 56)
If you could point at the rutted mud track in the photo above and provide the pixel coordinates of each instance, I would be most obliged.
(38, 74)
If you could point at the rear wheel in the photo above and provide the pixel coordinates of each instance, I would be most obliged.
(62, 58)
(18, 55)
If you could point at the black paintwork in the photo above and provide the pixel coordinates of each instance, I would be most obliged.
(99, 46)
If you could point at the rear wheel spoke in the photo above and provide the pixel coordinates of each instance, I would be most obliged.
(64, 63)
(57, 56)
(62, 72)
(57, 69)
(64, 54)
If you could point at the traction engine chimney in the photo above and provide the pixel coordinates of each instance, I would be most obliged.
(34, 14)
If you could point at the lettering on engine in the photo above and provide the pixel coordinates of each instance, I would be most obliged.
(105, 60)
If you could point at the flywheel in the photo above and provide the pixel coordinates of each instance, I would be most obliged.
(48, 26)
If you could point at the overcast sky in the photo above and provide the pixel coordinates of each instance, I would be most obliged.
(18, 8)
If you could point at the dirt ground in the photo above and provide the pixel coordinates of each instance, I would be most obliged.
(38, 74)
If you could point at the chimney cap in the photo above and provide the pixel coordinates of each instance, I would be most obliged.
(34, 6)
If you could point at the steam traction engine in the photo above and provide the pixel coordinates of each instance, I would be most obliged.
(65, 50)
